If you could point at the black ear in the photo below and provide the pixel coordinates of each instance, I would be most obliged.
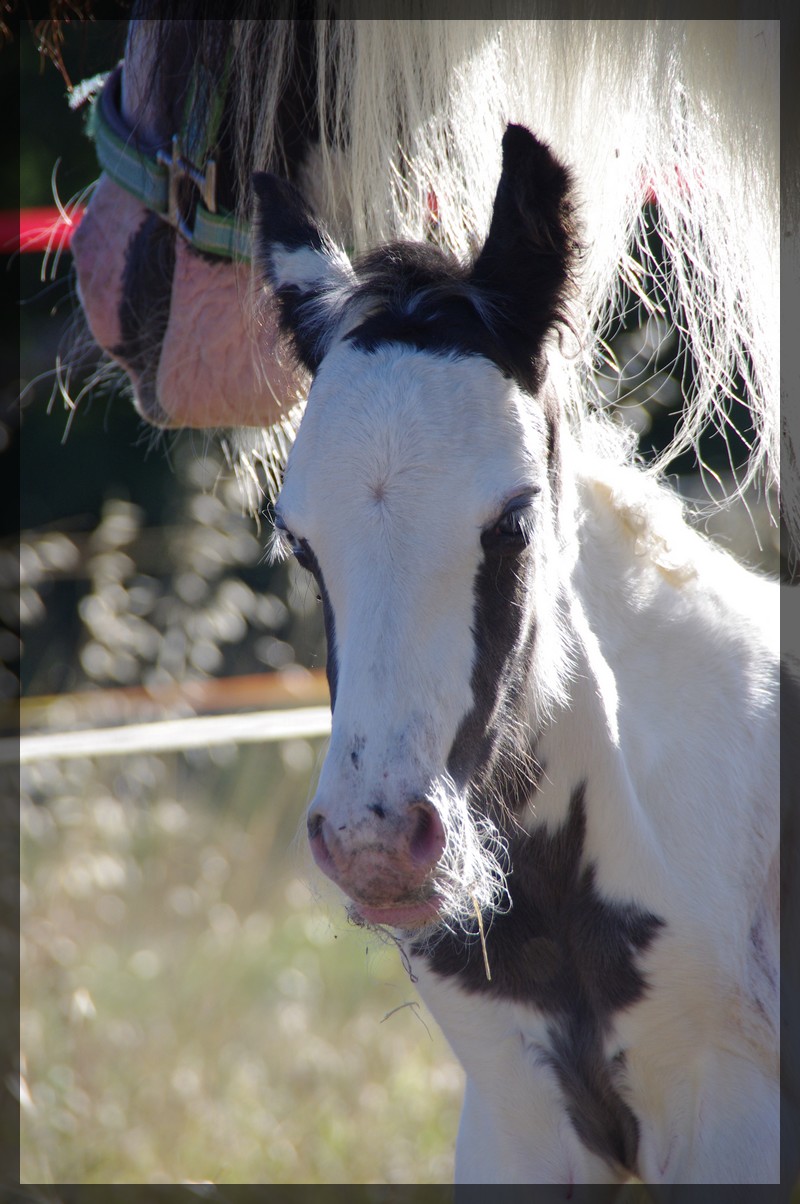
(310, 276)
(525, 266)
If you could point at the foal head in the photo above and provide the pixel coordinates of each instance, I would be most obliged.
(422, 494)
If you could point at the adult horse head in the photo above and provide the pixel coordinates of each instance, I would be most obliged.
(178, 313)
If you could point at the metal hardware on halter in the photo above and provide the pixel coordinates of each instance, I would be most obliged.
(153, 176)
(179, 168)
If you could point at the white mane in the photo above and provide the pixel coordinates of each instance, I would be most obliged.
(686, 111)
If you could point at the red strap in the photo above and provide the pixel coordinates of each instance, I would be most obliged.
(36, 229)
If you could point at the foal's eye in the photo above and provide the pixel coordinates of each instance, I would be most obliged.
(511, 523)
(512, 531)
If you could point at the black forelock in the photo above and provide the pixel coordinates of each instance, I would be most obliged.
(421, 295)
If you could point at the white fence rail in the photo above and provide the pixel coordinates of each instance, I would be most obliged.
(169, 735)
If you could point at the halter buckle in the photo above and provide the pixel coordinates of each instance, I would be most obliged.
(181, 168)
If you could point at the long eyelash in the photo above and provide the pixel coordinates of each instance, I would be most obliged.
(278, 547)
(526, 523)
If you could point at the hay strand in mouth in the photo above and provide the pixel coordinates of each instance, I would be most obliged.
(483, 938)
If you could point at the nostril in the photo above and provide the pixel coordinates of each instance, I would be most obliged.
(316, 839)
(428, 839)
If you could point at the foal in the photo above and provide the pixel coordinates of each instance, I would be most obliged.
(553, 763)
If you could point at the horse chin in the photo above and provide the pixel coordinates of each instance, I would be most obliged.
(146, 401)
(409, 917)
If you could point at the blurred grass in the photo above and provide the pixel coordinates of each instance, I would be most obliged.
(189, 1011)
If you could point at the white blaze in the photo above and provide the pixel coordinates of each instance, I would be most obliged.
(401, 460)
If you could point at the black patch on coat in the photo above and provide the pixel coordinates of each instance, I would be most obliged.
(561, 947)
(572, 954)
(308, 561)
(491, 748)
(144, 309)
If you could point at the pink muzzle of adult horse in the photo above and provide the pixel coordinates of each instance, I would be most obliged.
(217, 361)
(385, 862)
(99, 246)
